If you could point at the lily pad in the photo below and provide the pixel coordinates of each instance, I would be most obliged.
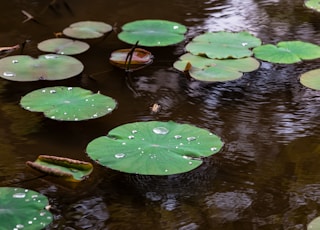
(314, 224)
(205, 69)
(69, 169)
(223, 45)
(152, 32)
(45, 67)
(154, 148)
(23, 209)
(313, 4)
(68, 103)
(87, 30)
(288, 52)
(140, 58)
(63, 46)
(311, 79)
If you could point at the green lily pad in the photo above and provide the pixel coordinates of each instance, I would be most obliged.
(45, 67)
(313, 4)
(68, 103)
(314, 224)
(63, 46)
(288, 52)
(87, 30)
(69, 169)
(205, 69)
(223, 45)
(152, 32)
(23, 209)
(154, 148)
(311, 79)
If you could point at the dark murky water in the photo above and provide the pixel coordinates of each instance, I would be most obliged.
(266, 176)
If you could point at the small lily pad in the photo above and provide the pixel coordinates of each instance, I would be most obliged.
(68, 103)
(288, 52)
(63, 46)
(313, 4)
(140, 58)
(314, 224)
(87, 30)
(69, 169)
(23, 209)
(311, 79)
(154, 148)
(45, 67)
(152, 32)
(223, 45)
(205, 69)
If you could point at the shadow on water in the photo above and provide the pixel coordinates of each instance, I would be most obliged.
(265, 177)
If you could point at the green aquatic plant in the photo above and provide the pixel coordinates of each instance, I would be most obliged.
(314, 224)
(23, 209)
(63, 46)
(287, 52)
(66, 168)
(68, 103)
(223, 45)
(152, 32)
(313, 4)
(87, 29)
(212, 70)
(154, 148)
(45, 67)
(311, 79)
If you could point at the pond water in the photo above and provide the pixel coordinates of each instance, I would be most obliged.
(267, 175)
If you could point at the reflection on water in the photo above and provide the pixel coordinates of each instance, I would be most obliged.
(265, 177)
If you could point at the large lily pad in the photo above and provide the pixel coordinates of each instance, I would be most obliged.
(45, 67)
(288, 52)
(23, 209)
(87, 30)
(223, 45)
(68, 103)
(311, 79)
(154, 148)
(205, 69)
(313, 4)
(152, 32)
(63, 46)
(69, 169)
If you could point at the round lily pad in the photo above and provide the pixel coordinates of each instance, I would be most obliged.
(211, 70)
(223, 45)
(314, 224)
(152, 32)
(63, 46)
(311, 79)
(68, 103)
(313, 4)
(23, 209)
(154, 148)
(288, 52)
(45, 67)
(87, 29)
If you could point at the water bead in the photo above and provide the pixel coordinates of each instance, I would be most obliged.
(191, 138)
(9, 74)
(177, 136)
(19, 195)
(119, 155)
(160, 130)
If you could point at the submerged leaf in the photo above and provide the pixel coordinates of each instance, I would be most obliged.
(154, 148)
(69, 169)
(45, 67)
(68, 103)
(87, 29)
(311, 79)
(63, 46)
(152, 32)
(23, 209)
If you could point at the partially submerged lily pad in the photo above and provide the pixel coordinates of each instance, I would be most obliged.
(152, 32)
(313, 4)
(45, 67)
(87, 29)
(154, 148)
(205, 69)
(288, 52)
(23, 209)
(311, 79)
(68, 103)
(69, 169)
(140, 58)
(223, 45)
(63, 46)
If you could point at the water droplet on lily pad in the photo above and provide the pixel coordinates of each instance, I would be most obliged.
(213, 149)
(177, 136)
(19, 195)
(9, 74)
(119, 155)
(160, 130)
(131, 137)
(15, 61)
(191, 138)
